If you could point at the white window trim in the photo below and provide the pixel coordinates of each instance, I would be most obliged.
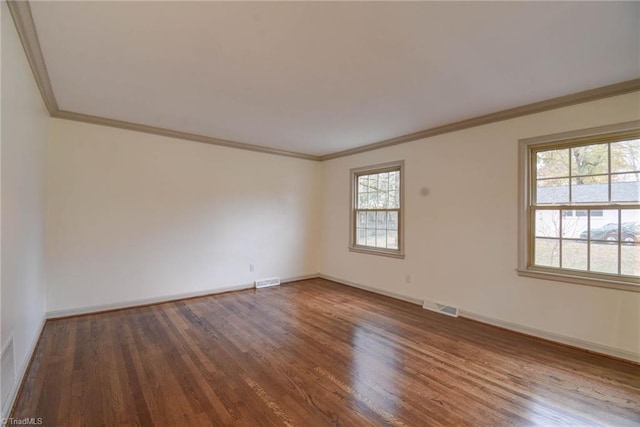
(399, 253)
(524, 232)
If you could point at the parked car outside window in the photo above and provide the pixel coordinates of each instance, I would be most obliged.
(629, 232)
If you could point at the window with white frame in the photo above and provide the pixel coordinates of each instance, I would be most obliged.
(580, 219)
(376, 209)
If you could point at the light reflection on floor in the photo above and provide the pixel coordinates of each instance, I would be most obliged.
(380, 390)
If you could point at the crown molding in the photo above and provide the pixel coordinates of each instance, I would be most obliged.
(96, 120)
(511, 113)
(21, 13)
(23, 19)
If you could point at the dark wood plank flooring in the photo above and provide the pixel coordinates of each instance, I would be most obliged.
(313, 353)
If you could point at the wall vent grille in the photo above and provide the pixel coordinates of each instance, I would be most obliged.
(265, 283)
(441, 308)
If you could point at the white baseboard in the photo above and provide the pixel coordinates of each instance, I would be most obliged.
(157, 300)
(562, 339)
(298, 278)
(550, 336)
(372, 289)
(13, 394)
(538, 333)
(145, 301)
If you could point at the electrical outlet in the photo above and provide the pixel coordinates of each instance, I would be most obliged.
(407, 279)
(252, 267)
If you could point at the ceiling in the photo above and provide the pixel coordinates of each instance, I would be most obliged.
(323, 77)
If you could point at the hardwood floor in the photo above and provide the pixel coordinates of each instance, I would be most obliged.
(313, 353)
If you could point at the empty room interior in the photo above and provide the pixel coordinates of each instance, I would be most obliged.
(320, 213)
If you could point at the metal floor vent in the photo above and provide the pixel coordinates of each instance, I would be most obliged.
(440, 308)
(8, 367)
(265, 283)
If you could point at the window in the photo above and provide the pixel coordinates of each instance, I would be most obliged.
(580, 213)
(376, 209)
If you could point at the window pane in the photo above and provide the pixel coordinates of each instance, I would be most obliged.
(392, 239)
(547, 252)
(381, 238)
(625, 156)
(373, 183)
(604, 257)
(606, 227)
(600, 219)
(552, 164)
(362, 220)
(363, 201)
(589, 160)
(394, 181)
(574, 254)
(548, 223)
(371, 237)
(361, 236)
(371, 220)
(630, 259)
(373, 200)
(630, 230)
(625, 187)
(551, 191)
(363, 182)
(384, 181)
(394, 200)
(392, 220)
(383, 200)
(590, 189)
(574, 223)
(382, 221)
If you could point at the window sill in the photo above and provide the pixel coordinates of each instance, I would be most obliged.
(580, 280)
(381, 252)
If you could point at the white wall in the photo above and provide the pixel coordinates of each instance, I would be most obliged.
(133, 217)
(461, 239)
(25, 131)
